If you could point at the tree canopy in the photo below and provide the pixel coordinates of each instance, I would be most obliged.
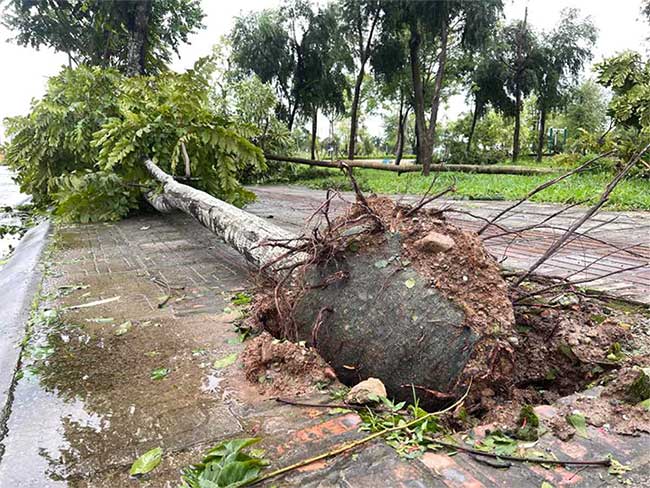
(137, 36)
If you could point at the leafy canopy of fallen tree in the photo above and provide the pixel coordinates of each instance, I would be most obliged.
(82, 145)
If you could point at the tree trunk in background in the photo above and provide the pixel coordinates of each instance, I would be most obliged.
(516, 145)
(401, 133)
(515, 138)
(542, 134)
(138, 37)
(354, 113)
(472, 129)
(292, 117)
(314, 130)
(424, 148)
(437, 91)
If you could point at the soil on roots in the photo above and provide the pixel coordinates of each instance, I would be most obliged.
(379, 297)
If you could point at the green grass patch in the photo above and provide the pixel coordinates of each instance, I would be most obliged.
(631, 194)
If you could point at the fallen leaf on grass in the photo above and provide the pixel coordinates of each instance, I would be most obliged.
(410, 283)
(147, 462)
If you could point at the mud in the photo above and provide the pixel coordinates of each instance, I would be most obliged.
(285, 368)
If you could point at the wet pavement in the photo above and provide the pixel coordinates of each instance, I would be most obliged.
(122, 300)
(291, 206)
(10, 198)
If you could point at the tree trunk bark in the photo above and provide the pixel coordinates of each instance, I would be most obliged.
(354, 113)
(541, 135)
(138, 37)
(423, 147)
(399, 145)
(314, 130)
(411, 168)
(241, 230)
(515, 139)
(472, 128)
(401, 137)
(292, 116)
(437, 91)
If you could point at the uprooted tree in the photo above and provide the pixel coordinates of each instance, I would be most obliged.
(384, 290)
(387, 290)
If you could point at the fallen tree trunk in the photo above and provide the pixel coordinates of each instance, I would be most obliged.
(459, 168)
(377, 294)
(244, 232)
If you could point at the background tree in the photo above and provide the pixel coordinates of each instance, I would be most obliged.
(390, 65)
(586, 109)
(261, 44)
(518, 52)
(628, 77)
(433, 28)
(488, 82)
(320, 79)
(559, 61)
(134, 37)
(361, 20)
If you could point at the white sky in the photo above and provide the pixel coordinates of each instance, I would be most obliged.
(25, 70)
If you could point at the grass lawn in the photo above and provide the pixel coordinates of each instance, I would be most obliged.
(631, 194)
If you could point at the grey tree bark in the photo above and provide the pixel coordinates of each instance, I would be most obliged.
(241, 230)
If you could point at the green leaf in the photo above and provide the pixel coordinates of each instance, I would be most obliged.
(123, 328)
(579, 423)
(616, 468)
(645, 404)
(225, 361)
(147, 462)
(241, 298)
(546, 484)
(382, 263)
(237, 473)
(159, 373)
(410, 283)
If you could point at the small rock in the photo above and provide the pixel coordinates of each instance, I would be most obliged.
(514, 340)
(435, 242)
(367, 391)
(487, 392)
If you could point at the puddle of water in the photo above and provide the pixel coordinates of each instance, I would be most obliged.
(35, 459)
(10, 197)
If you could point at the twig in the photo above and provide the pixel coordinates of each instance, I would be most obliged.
(449, 189)
(433, 393)
(297, 403)
(542, 187)
(357, 443)
(562, 462)
(579, 282)
(361, 197)
(590, 213)
(186, 158)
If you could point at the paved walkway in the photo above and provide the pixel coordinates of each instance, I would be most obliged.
(90, 408)
(291, 206)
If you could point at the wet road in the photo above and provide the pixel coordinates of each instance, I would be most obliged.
(10, 196)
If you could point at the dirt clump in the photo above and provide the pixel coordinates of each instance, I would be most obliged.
(284, 367)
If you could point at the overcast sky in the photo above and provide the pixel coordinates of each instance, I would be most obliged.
(25, 70)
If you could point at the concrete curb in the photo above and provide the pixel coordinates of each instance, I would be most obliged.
(19, 280)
